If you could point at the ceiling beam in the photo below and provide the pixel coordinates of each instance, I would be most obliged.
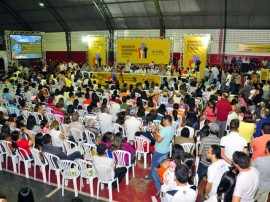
(56, 15)
(161, 21)
(105, 13)
(15, 15)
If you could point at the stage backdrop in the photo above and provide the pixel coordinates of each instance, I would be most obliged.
(96, 49)
(195, 47)
(143, 51)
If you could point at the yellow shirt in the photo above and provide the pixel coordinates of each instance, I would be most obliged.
(68, 82)
(246, 130)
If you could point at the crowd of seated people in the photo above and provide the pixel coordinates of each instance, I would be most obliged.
(230, 125)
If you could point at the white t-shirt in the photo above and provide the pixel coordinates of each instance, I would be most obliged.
(247, 184)
(181, 193)
(229, 77)
(231, 116)
(56, 141)
(231, 143)
(105, 121)
(252, 92)
(132, 126)
(214, 174)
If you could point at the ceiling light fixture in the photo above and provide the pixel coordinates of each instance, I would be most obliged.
(41, 4)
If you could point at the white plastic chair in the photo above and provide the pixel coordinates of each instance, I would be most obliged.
(105, 175)
(25, 114)
(38, 162)
(48, 110)
(196, 180)
(188, 147)
(69, 171)
(70, 146)
(49, 116)
(157, 123)
(118, 128)
(88, 150)
(53, 165)
(78, 136)
(58, 118)
(139, 144)
(12, 110)
(87, 172)
(82, 112)
(25, 158)
(90, 136)
(14, 157)
(197, 160)
(2, 153)
(38, 117)
(119, 157)
(175, 124)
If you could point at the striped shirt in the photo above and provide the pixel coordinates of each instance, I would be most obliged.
(205, 144)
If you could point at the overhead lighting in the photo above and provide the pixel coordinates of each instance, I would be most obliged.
(41, 4)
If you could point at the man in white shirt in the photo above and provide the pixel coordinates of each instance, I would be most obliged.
(228, 79)
(103, 160)
(215, 171)
(215, 72)
(128, 65)
(247, 181)
(264, 62)
(132, 125)
(183, 191)
(105, 120)
(233, 114)
(232, 142)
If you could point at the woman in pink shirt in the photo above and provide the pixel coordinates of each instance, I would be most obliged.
(120, 143)
(209, 111)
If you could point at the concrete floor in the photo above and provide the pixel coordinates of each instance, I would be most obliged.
(10, 185)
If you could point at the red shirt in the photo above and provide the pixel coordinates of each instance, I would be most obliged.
(223, 108)
(24, 144)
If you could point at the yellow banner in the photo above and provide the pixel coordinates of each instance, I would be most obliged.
(195, 51)
(265, 74)
(102, 77)
(143, 51)
(261, 48)
(96, 50)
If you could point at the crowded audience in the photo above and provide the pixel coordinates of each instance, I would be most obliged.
(216, 130)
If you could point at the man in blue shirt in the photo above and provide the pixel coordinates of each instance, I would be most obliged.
(162, 148)
(265, 118)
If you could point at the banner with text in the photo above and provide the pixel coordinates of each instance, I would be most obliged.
(97, 51)
(195, 51)
(265, 74)
(260, 48)
(143, 51)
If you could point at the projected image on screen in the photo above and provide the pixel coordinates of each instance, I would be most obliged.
(26, 46)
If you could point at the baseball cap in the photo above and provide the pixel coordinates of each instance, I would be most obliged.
(132, 111)
(214, 127)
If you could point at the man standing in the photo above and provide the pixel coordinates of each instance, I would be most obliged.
(222, 110)
(232, 142)
(265, 118)
(162, 146)
(258, 144)
(102, 159)
(215, 72)
(206, 73)
(247, 181)
(211, 139)
(263, 164)
(183, 191)
(215, 171)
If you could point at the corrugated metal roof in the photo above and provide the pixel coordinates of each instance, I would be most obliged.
(80, 15)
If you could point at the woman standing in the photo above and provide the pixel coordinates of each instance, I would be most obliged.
(209, 112)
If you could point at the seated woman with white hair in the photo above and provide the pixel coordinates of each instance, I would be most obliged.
(91, 127)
